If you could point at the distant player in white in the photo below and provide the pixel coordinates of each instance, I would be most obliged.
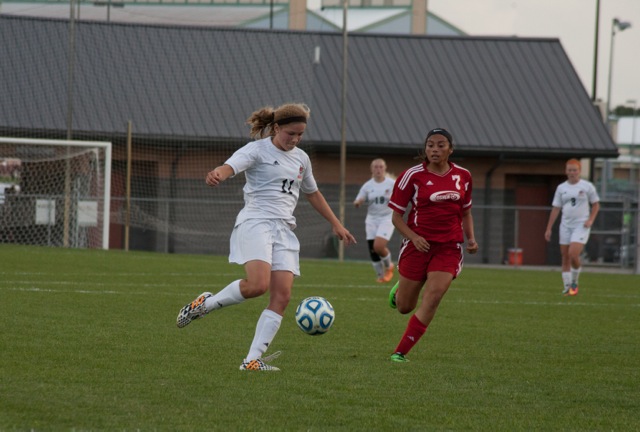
(375, 193)
(263, 240)
(579, 202)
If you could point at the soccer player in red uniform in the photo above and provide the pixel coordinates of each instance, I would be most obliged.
(431, 254)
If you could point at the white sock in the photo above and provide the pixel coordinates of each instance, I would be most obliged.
(229, 295)
(566, 280)
(386, 261)
(266, 329)
(575, 274)
(377, 266)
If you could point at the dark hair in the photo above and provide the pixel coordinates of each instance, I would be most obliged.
(422, 155)
(440, 131)
(263, 120)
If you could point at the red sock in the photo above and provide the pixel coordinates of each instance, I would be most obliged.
(413, 333)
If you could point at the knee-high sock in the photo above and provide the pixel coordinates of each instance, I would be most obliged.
(386, 261)
(228, 296)
(378, 267)
(266, 329)
(575, 274)
(413, 333)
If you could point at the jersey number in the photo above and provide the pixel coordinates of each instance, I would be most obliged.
(456, 178)
(286, 186)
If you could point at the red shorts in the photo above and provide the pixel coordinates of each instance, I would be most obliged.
(415, 265)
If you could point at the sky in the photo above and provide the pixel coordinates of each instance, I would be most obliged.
(573, 22)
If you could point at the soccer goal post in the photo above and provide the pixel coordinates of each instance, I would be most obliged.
(55, 192)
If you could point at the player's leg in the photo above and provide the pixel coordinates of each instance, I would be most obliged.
(285, 266)
(407, 293)
(250, 245)
(575, 249)
(271, 318)
(436, 287)
(579, 238)
(376, 262)
(565, 240)
(380, 246)
(412, 266)
(444, 265)
(371, 227)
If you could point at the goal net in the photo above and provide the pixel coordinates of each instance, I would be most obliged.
(55, 192)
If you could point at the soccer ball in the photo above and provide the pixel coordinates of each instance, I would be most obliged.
(315, 315)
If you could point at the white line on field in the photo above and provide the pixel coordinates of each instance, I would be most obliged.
(568, 303)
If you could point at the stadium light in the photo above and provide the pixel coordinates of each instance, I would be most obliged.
(621, 26)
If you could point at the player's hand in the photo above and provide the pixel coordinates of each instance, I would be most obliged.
(547, 235)
(213, 178)
(472, 246)
(421, 244)
(343, 234)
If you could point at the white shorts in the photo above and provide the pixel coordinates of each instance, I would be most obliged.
(379, 228)
(569, 235)
(268, 240)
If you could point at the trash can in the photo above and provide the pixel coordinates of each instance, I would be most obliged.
(515, 256)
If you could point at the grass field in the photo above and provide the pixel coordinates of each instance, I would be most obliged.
(89, 342)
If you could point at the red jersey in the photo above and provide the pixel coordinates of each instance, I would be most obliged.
(437, 201)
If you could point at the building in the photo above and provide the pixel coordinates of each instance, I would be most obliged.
(188, 89)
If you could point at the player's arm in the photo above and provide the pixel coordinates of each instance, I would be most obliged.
(418, 241)
(555, 211)
(595, 208)
(467, 227)
(319, 203)
(219, 174)
(361, 198)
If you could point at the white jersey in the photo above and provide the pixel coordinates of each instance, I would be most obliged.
(376, 196)
(575, 200)
(274, 180)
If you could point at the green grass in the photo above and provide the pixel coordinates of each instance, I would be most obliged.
(89, 342)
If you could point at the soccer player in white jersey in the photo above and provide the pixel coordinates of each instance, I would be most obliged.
(375, 193)
(263, 240)
(578, 201)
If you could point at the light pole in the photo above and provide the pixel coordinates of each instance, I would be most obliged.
(632, 172)
(343, 141)
(595, 54)
(621, 26)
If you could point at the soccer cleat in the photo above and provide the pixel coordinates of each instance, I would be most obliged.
(380, 280)
(193, 310)
(565, 291)
(258, 365)
(388, 275)
(392, 296)
(398, 358)
(574, 289)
